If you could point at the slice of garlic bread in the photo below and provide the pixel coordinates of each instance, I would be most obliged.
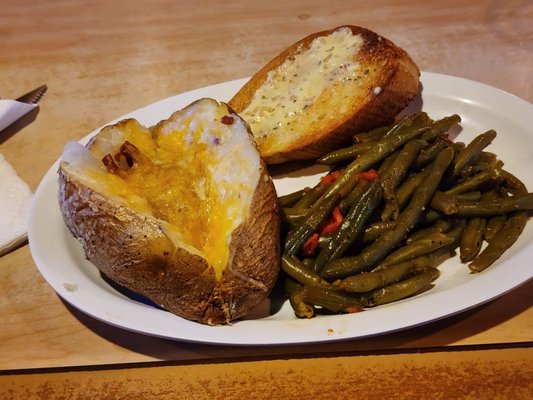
(313, 96)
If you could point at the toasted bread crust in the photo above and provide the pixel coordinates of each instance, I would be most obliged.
(392, 82)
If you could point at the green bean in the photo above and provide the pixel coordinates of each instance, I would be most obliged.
(456, 232)
(404, 193)
(368, 281)
(472, 239)
(473, 150)
(332, 300)
(488, 157)
(508, 234)
(308, 226)
(372, 135)
(441, 126)
(293, 216)
(378, 250)
(352, 225)
(376, 229)
(397, 170)
(402, 289)
(494, 225)
(515, 185)
(348, 186)
(419, 247)
(323, 240)
(428, 154)
(344, 154)
(386, 146)
(458, 147)
(451, 206)
(419, 120)
(505, 238)
(296, 294)
(429, 216)
(432, 259)
(474, 169)
(291, 198)
(388, 161)
(469, 196)
(475, 181)
(435, 258)
(440, 225)
(386, 165)
(296, 269)
(310, 196)
(353, 196)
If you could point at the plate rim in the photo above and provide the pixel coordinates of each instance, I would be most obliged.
(215, 332)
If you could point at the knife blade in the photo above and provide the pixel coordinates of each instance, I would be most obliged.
(12, 111)
(34, 96)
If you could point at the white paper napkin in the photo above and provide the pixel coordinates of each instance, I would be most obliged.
(15, 200)
(12, 110)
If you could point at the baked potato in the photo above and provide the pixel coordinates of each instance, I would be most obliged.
(183, 213)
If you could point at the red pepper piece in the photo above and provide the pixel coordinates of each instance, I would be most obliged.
(334, 222)
(227, 120)
(310, 245)
(329, 178)
(353, 309)
(369, 175)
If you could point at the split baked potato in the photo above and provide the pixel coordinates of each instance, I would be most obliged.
(183, 213)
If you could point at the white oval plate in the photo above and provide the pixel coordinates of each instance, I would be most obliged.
(61, 261)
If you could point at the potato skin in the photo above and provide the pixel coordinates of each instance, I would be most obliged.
(132, 249)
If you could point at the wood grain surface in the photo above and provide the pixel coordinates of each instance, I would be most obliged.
(103, 59)
(489, 374)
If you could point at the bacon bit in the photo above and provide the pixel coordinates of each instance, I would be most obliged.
(227, 120)
(334, 222)
(310, 245)
(110, 164)
(369, 175)
(329, 178)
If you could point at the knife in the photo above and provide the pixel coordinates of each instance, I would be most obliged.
(34, 96)
(13, 110)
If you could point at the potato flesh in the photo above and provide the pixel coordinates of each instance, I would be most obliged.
(168, 193)
(197, 174)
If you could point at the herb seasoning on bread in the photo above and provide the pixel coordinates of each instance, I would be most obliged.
(316, 94)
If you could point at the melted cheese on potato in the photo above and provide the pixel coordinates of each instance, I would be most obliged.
(198, 172)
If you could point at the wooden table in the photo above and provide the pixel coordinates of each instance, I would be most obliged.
(104, 59)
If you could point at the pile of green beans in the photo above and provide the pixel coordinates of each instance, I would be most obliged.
(410, 198)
